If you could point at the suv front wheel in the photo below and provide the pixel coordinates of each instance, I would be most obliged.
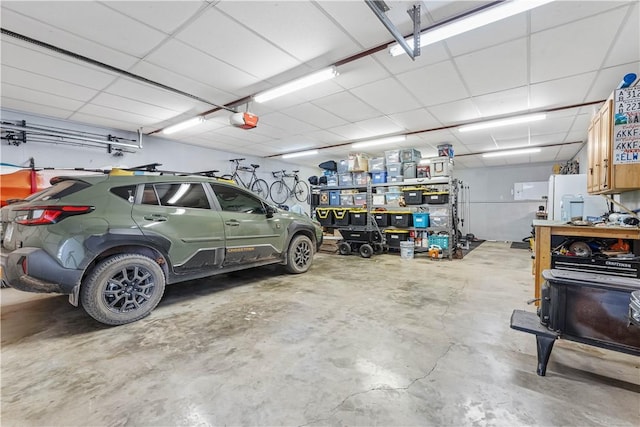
(122, 289)
(300, 254)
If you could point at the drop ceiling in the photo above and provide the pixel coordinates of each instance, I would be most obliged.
(562, 54)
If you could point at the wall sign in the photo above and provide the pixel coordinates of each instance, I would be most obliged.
(626, 126)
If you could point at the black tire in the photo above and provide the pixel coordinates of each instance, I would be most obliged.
(301, 191)
(366, 250)
(278, 192)
(344, 248)
(113, 299)
(261, 188)
(300, 254)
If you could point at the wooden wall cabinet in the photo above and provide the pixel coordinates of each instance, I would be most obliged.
(603, 175)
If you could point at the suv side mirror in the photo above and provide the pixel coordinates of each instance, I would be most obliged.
(270, 211)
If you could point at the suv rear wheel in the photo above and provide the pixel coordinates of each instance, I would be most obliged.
(122, 289)
(300, 254)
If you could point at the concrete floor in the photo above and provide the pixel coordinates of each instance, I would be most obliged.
(382, 341)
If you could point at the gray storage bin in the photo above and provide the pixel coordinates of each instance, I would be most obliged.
(393, 169)
(409, 170)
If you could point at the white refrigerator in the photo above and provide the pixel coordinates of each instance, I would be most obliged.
(568, 198)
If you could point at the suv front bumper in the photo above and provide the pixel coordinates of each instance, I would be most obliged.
(43, 273)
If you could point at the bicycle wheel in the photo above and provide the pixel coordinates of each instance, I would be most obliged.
(261, 188)
(301, 191)
(279, 192)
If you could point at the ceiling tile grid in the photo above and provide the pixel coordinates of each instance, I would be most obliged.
(558, 55)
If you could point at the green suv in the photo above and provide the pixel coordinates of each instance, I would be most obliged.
(113, 242)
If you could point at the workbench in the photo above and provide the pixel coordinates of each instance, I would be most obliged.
(544, 230)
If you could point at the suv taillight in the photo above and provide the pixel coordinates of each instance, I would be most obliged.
(43, 215)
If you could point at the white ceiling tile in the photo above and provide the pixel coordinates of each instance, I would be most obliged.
(134, 106)
(34, 108)
(469, 162)
(288, 123)
(558, 13)
(574, 48)
(569, 151)
(122, 121)
(550, 125)
(154, 96)
(455, 112)
(608, 79)
(363, 25)
(265, 60)
(346, 106)
(503, 102)
(627, 43)
(360, 72)
(317, 36)
(165, 16)
(566, 91)
(325, 137)
(434, 84)
(114, 114)
(313, 115)
(71, 71)
(43, 83)
(183, 59)
(387, 96)
(415, 120)
(80, 45)
(38, 97)
(93, 21)
(352, 132)
(379, 126)
(429, 55)
(494, 34)
(495, 68)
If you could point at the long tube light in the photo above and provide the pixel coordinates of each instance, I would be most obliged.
(301, 83)
(183, 125)
(512, 152)
(379, 141)
(471, 22)
(503, 122)
(300, 154)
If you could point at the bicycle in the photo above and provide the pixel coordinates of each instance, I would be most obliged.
(256, 185)
(280, 190)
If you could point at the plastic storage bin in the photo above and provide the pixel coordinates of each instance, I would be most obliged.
(332, 180)
(324, 199)
(409, 170)
(441, 240)
(360, 178)
(398, 178)
(378, 199)
(345, 179)
(377, 164)
(440, 198)
(410, 155)
(421, 219)
(334, 198)
(400, 219)
(324, 216)
(392, 199)
(342, 166)
(379, 177)
(445, 150)
(413, 196)
(438, 220)
(340, 216)
(392, 156)
(358, 217)
(381, 218)
(360, 199)
(346, 200)
(441, 166)
(358, 162)
(394, 169)
(394, 237)
(423, 171)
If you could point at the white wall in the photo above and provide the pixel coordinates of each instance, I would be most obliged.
(494, 214)
(171, 154)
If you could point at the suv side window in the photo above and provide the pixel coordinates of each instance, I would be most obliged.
(235, 200)
(184, 194)
(127, 192)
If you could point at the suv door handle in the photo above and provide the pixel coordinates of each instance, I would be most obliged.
(155, 217)
(233, 223)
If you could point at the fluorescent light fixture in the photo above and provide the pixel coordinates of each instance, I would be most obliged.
(380, 141)
(512, 152)
(471, 22)
(300, 154)
(503, 122)
(301, 83)
(184, 125)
